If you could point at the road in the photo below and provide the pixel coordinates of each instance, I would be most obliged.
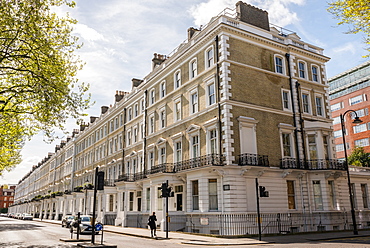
(31, 234)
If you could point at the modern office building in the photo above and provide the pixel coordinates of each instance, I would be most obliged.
(349, 91)
(240, 103)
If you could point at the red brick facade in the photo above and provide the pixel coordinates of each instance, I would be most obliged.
(6, 196)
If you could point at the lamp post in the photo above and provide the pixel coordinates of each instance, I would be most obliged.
(356, 121)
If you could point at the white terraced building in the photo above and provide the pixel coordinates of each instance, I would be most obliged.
(240, 99)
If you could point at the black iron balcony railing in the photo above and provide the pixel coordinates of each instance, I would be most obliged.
(165, 168)
(131, 177)
(253, 159)
(206, 160)
(313, 164)
(109, 182)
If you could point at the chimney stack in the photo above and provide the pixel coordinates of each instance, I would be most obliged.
(104, 109)
(93, 118)
(136, 82)
(191, 32)
(158, 59)
(252, 15)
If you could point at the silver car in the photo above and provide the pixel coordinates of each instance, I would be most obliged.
(26, 216)
(85, 225)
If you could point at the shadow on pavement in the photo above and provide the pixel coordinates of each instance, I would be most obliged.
(21, 245)
(18, 227)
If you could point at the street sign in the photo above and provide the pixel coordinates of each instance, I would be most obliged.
(98, 227)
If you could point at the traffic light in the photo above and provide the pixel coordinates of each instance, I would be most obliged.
(100, 179)
(166, 190)
(263, 192)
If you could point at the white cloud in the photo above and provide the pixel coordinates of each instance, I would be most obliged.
(87, 33)
(203, 12)
(279, 11)
(346, 48)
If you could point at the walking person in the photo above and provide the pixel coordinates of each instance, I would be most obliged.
(151, 222)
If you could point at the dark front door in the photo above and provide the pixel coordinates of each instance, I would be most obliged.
(179, 202)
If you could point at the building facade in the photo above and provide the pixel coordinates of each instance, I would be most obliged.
(6, 197)
(349, 91)
(240, 102)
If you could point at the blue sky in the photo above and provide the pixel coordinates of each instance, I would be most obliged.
(120, 37)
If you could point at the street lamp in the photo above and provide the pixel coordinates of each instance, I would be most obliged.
(355, 121)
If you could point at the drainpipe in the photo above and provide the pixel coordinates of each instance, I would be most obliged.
(218, 96)
(287, 56)
(297, 85)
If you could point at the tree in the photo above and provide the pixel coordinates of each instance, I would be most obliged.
(39, 90)
(355, 13)
(359, 157)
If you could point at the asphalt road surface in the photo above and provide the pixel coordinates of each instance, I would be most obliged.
(31, 234)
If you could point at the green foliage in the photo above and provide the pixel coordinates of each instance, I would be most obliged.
(359, 157)
(38, 86)
(354, 13)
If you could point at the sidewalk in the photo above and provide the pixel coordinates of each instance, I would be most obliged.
(198, 239)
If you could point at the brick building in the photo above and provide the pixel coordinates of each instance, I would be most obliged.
(350, 90)
(6, 197)
(239, 101)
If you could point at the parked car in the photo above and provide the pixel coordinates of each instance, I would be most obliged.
(26, 216)
(67, 220)
(85, 225)
(17, 216)
(3, 215)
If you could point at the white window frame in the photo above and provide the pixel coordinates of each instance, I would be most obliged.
(289, 100)
(317, 73)
(162, 89)
(162, 156)
(309, 105)
(362, 142)
(193, 68)
(162, 117)
(282, 64)
(177, 80)
(177, 110)
(336, 106)
(177, 138)
(210, 126)
(356, 99)
(151, 158)
(209, 96)
(193, 131)
(129, 137)
(304, 70)
(209, 61)
(317, 96)
(287, 129)
(152, 96)
(193, 105)
(151, 126)
(136, 110)
(360, 128)
(129, 114)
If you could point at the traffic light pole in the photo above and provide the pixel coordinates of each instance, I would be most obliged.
(258, 211)
(167, 211)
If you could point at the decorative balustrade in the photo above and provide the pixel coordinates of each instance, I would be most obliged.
(253, 159)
